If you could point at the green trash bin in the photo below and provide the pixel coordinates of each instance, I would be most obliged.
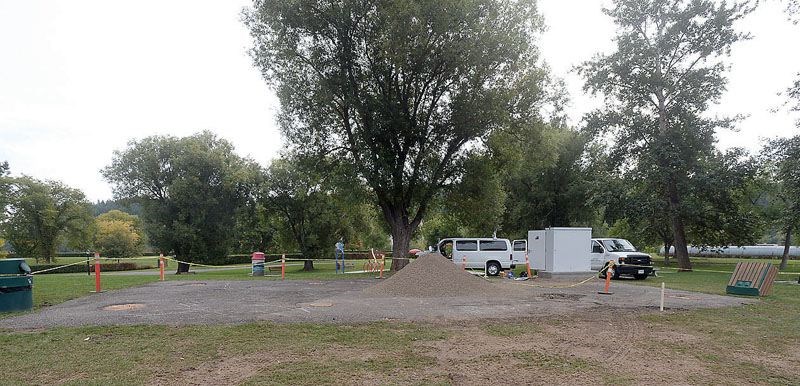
(16, 285)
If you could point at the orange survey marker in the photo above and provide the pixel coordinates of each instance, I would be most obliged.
(97, 272)
(528, 265)
(383, 264)
(283, 267)
(609, 273)
(463, 262)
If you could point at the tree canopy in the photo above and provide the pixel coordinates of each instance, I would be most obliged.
(783, 167)
(665, 72)
(119, 234)
(190, 189)
(43, 215)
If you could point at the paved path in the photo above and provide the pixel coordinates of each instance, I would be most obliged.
(337, 301)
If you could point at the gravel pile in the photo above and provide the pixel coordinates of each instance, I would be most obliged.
(432, 275)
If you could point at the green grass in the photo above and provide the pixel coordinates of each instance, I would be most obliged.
(134, 355)
(770, 326)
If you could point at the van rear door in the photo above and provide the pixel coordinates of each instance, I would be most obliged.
(520, 249)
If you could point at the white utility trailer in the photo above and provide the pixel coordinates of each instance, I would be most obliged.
(557, 251)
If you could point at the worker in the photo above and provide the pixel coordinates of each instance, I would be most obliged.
(339, 253)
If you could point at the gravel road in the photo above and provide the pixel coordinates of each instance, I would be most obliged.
(342, 301)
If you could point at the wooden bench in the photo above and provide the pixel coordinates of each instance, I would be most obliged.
(752, 279)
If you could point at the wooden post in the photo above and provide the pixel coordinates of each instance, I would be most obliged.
(283, 267)
(463, 262)
(161, 267)
(662, 297)
(97, 287)
(383, 264)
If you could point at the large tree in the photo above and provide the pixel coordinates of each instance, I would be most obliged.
(659, 82)
(401, 90)
(190, 189)
(44, 215)
(783, 165)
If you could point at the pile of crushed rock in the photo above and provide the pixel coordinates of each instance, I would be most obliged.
(433, 275)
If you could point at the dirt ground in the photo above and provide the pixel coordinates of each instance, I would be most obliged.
(540, 332)
(177, 303)
(580, 349)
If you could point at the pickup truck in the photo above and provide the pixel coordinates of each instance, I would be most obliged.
(628, 260)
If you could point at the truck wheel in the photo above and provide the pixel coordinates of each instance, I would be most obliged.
(640, 277)
(492, 268)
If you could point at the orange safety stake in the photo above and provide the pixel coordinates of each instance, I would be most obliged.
(161, 267)
(528, 265)
(383, 264)
(464, 262)
(283, 267)
(609, 273)
(97, 272)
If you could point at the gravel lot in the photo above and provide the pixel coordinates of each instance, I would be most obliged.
(343, 301)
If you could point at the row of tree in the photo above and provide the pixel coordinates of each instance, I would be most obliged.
(444, 112)
(198, 200)
(39, 217)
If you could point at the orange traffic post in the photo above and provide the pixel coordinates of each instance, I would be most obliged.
(528, 265)
(383, 264)
(283, 267)
(609, 273)
(97, 287)
(161, 266)
(464, 262)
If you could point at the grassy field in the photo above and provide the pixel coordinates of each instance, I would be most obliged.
(749, 344)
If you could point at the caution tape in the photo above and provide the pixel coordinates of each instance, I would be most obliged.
(559, 286)
(59, 267)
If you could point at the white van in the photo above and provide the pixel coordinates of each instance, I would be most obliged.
(628, 260)
(490, 254)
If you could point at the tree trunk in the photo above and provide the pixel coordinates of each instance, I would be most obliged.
(308, 265)
(401, 238)
(681, 249)
(786, 245)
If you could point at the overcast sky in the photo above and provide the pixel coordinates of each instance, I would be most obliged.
(79, 79)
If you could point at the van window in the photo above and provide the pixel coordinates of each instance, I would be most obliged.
(596, 248)
(519, 246)
(446, 248)
(493, 245)
(467, 245)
